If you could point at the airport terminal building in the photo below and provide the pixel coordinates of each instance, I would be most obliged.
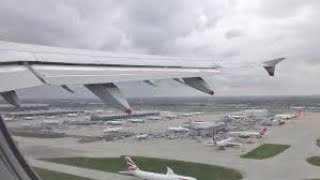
(206, 129)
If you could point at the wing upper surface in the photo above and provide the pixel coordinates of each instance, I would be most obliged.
(17, 52)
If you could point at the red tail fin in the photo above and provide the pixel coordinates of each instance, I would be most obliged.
(297, 114)
(263, 131)
(214, 140)
(131, 165)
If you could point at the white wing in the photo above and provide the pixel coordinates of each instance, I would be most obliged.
(25, 66)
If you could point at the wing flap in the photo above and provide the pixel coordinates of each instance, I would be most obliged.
(270, 66)
(70, 74)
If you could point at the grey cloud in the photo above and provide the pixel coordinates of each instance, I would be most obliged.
(284, 8)
(206, 29)
(233, 33)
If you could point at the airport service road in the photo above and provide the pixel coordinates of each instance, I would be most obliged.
(291, 164)
(88, 173)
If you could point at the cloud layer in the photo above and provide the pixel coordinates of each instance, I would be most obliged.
(234, 30)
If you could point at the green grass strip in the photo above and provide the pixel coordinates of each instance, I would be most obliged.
(265, 151)
(53, 175)
(38, 135)
(314, 160)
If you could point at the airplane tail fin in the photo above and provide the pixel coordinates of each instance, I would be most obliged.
(214, 140)
(131, 165)
(298, 114)
(263, 131)
(270, 66)
(169, 171)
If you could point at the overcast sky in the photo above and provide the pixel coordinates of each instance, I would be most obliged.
(234, 30)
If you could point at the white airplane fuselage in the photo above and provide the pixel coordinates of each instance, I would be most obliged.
(157, 176)
(249, 134)
(288, 116)
(225, 142)
(178, 129)
(113, 130)
(142, 136)
(115, 122)
(136, 120)
(222, 144)
(283, 116)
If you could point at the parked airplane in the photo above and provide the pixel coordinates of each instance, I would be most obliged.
(247, 134)
(8, 117)
(155, 118)
(136, 120)
(191, 114)
(236, 117)
(178, 129)
(170, 116)
(115, 122)
(185, 114)
(51, 122)
(146, 175)
(222, 144)
(142, 136)
(273, 122)
(197, 113)
(113, 130)
(196, 122)
(289, 116)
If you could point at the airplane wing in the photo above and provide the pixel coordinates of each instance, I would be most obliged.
(236, 132)
(234, 144)
(26, 66)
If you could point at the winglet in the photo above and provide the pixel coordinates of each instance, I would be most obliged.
(270, 66)
(214, 139)
(169, 171)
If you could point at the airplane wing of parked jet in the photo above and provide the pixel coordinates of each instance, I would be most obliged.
(26, 66)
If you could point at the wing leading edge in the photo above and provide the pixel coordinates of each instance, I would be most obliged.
(25, 66)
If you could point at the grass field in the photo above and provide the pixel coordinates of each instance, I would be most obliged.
(37, 135)
(265, 151)
(200, 171)
(314, 160)
(53, 175)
